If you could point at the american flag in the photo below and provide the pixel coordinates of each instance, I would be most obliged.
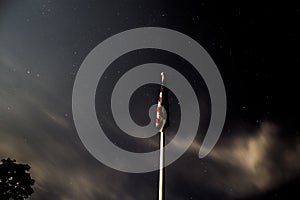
(161, 115)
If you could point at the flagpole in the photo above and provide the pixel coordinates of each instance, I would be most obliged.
(161, 148)
(161, 167)
(160, 121)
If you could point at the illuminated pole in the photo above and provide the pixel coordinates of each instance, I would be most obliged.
(161, 117)
(161, 167)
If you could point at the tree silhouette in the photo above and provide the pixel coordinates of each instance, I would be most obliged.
(15, 180)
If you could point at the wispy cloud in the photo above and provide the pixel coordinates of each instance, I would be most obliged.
(251, 162)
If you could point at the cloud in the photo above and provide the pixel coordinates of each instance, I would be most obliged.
(250, 162)
(60, 168)
(35, 132)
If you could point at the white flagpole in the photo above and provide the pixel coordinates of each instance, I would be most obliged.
(161, 157)
(161, 167)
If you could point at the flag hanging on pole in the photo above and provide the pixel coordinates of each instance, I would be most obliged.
(161, 114)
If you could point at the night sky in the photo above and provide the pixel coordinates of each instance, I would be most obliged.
(255, 47)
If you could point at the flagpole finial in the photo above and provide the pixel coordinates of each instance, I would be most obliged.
(162, 78)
